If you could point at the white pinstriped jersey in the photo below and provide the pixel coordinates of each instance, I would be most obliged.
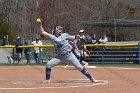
(60, 43)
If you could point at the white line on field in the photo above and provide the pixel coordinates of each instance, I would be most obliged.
(68, 86)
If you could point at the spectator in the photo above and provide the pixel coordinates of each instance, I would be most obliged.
(103, 39)
(27, 52)
(38, 51)
(19, 50)
(95, 40)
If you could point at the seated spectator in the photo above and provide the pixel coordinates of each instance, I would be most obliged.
(95, 40)
(103, 39)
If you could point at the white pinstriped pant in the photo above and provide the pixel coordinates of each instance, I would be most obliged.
(71, 58)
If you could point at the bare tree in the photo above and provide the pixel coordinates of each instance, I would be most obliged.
(21, 14)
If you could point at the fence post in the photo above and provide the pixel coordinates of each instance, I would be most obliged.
(139, 51)
(102, 55)
(4, 41)
(13, 54)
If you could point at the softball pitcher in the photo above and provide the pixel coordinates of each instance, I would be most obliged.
(64, 53)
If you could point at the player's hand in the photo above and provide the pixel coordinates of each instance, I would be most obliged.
(38, 21)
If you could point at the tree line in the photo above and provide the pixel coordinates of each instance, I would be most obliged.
(20, 15)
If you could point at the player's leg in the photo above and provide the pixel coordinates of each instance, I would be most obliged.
(35, 57)
(82, 58)
(19, 57)
(76, 53)
(49, 65)
(28, 57)
(78, 66)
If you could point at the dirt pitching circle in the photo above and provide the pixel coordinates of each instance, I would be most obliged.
(56, 83)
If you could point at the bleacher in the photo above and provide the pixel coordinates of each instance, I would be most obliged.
(115, 55)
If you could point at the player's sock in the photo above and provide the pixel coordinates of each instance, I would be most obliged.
(48, 73)
(85, 72)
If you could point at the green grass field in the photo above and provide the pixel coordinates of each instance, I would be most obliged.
(101, 65)
(119, 65)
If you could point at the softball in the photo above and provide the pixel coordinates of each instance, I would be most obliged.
(38, 20)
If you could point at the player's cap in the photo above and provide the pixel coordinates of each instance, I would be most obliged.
(81, 31)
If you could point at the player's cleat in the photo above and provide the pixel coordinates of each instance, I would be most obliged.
(66, 66)
(85, 64)
(93, 80)
(98, 81)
